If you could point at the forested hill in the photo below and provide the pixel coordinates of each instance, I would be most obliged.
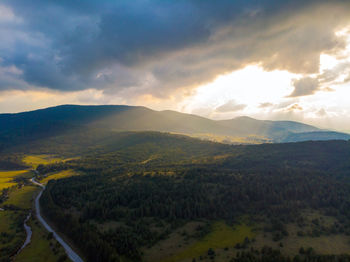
(72, 119)
(153, 182)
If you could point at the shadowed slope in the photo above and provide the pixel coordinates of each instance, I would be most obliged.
(26, 127)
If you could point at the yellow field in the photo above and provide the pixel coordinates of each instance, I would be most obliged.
(58, 175)
(12, 174)
(4, 183)
(22, 197)
(40, 249)
(35, 160)
(221, 236)
(6, 177)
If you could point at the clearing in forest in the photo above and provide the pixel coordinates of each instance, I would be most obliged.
(58, 175)
(35, 160)
(221, 236)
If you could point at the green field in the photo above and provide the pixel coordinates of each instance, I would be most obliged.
(12, 232)
(22, 198)
(35, 160)
(11, 223)
(58, 175)
(40, 249)
(325, 244)
(221, 236)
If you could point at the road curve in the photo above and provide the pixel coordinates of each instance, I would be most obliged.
(69, 251)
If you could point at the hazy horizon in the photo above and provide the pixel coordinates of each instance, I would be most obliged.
(239, 116)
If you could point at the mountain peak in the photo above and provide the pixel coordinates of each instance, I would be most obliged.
(51, 121)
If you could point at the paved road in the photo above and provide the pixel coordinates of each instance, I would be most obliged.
(70, 253)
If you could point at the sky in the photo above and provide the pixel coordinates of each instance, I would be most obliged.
(267, 59)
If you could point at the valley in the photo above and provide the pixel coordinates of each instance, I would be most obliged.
(175, 131)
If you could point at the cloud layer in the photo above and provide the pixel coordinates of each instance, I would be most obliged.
(155, 47)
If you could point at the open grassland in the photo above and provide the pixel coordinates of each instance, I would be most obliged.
(221, 236)
(35, 160)
(12, 232)
(22, 197)
(325, 243)
(222, 239)
(7, 218)
(7, 177)
(250, 139)
(58, 175)
(42, 248)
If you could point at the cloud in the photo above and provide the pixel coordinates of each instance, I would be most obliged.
(265, 105)
(230, 106)
(155, 47)
(347, 79)
(7, 16)
(327, 89)
(321, 113)
(295, 107)
(332, 75)
(304, 86)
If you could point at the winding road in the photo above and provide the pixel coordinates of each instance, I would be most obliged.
(69, 251)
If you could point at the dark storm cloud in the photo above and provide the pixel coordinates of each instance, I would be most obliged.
(161, 45)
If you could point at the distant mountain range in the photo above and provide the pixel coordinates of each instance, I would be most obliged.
(53, 121)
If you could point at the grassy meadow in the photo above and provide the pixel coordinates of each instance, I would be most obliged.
(42, 248)
(35, 160)
(58, 175)
(221, 236)
(22, 197)
(11, 222)
(180, 246)
(12, 232)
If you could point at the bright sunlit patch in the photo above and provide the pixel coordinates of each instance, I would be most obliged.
(254, 92)
(327, 62)
(251, 86)
(343, 32)
(330, 61)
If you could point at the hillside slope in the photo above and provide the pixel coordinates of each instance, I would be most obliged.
(67, 119)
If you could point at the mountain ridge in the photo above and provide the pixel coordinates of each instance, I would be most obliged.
(72, 118)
